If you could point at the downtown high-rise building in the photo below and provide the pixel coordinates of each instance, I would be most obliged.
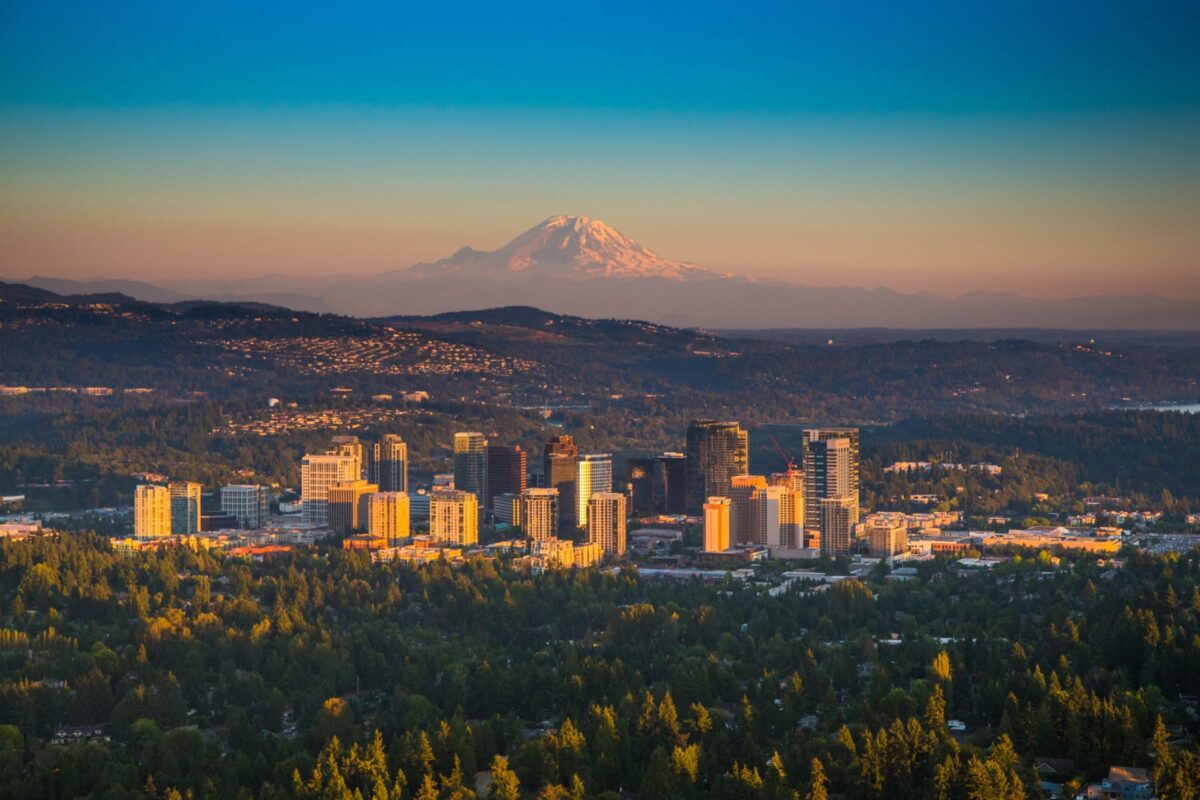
(640, 477)
(743, 511)
(350, 446)
(837, 517)
(830, 470)
(249, 504)
(387, 464)
(317, 474)
(606, 520)
(670, 491)
(593, 474)
(388, 516)
(506, 471)
(348, 505)
(558, 472)
(454, 517)
(151, 511)
(185, 507)
(537, 513)
(657, 484)
(779, 517)
(716, 525)
(470, 463)
(716, 451)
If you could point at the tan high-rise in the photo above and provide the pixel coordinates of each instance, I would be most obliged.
(779, 516)
(388, 516)
(558, 471)
(151, 511)
(538, 511)
(743, 523)
(837, 518)
(454, 517)
(716, 525)
(606, 522)
(886, 541)
(348, 505)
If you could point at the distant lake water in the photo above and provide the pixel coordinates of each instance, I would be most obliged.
(1186, 408)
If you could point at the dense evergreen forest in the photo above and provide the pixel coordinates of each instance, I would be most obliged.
(323, 676)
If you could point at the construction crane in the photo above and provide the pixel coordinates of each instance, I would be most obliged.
(791, 462)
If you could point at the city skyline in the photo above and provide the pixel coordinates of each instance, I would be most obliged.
(1043, 151)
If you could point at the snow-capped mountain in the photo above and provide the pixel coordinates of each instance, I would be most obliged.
(564, 247)
(580, 266)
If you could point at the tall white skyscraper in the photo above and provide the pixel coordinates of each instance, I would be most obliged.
(317, 474)
(593, 474)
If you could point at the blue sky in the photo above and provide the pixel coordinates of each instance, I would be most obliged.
(1044, 147)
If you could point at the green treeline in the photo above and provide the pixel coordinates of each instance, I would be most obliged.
(325, 676)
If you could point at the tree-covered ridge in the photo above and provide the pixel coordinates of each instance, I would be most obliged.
(1150, 458)
(226, 678)
(233, 351)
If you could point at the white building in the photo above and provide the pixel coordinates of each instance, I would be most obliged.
(249, 503)
(593, 474)
(317, 474)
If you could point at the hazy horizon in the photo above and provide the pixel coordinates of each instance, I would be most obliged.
(1044, 151)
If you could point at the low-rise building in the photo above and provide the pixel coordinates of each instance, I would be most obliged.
(1122, 783)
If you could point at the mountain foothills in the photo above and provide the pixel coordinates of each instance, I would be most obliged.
(581, 266)
(523, 357)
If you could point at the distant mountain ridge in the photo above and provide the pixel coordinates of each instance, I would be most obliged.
(581, 266)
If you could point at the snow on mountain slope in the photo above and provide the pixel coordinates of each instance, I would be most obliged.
(577, 248)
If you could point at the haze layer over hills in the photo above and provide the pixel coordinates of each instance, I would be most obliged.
(578, 265)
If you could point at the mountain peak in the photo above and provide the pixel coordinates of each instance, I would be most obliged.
(566, 247)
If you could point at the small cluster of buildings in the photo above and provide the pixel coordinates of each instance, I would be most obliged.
(1132, 519)
(928, 466)
(89, 391)
(795, 514)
